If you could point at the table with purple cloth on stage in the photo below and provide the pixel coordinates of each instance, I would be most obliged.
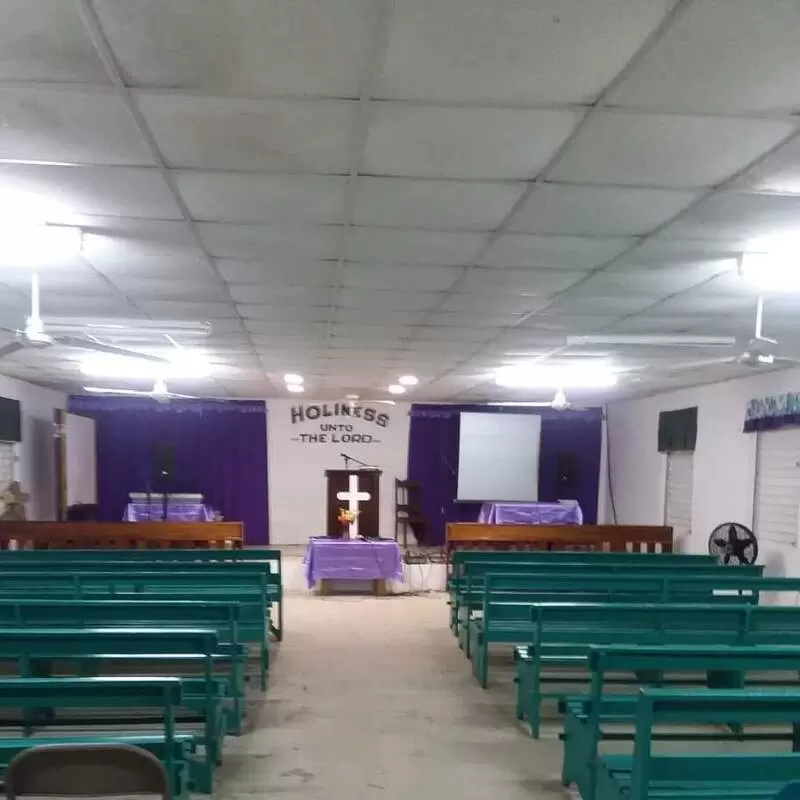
(375, 560)
(176, 512)
(531, 514)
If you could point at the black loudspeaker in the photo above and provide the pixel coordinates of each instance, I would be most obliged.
(163, 462)
(567, 466)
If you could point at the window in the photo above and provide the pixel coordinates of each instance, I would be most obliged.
(777, 493)
(678, 497)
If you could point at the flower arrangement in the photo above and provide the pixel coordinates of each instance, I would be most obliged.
(346, 518)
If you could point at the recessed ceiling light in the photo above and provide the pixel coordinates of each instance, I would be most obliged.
(292, 377)
(295, 387)
(408, 380)
(351, 397)
(396, 388)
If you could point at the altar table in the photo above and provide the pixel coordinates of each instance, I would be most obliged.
(176, 512)
(531, 514)
(341, 559)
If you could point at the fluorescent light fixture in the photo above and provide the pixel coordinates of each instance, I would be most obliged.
(351, 397)
(30, 245)
(408, 380)
(386, 402)
(293, 378)
(396, 388)
(185, 366)
(777, 270)
(655, 340)
(296, 388)
(546, 376)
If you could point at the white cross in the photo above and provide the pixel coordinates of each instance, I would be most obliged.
(353, 496)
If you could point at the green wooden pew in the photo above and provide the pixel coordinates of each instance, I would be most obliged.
(30, 695)
(267, 562)
(505, 599)
(598, 715)
(460, 558)
(467, 592)
(33, 652)
(695, 776)
(222, 617)
(248, 588)
(563, 633)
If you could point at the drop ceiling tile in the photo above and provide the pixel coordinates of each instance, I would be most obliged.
(579, 253)
(413, 246)
(483, 143)
(254, 313)
(179, 309)
(653, 282)
(698, 64)
(309, 273)
(426, 333)
(63, 126)
(550, 323)
(271, 330)
(370, 333)
(63, 304)
(240, 198)
(47, 42)
(399, 277)
(376, 316)
(453, 319)
(527, 281)
(121, 191)
(139, 288)
(279, 242)
(277, 135)
(740, 218)
(578, 303)
(391, 300)
(281, 295)
(661, 251)
(121, 256)
(240, 47)
(779, 172)
(492, 303)
(666, 150)
(572, 49)
(597, 210)
(703, 303)
(442, 205)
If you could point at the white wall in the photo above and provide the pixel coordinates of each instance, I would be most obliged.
(724, 460)
(36, 467)
(81, 458)
(298, 457)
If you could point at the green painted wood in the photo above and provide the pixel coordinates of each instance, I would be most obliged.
(267, 562)
(31, 695)
(689, 776)
(563, 633)
(586, 715)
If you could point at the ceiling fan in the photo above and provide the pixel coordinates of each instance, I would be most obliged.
(558, 403)
(34, 336)
(757, 353)
(159, 392)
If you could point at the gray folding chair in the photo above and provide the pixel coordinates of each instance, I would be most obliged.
(85, 770)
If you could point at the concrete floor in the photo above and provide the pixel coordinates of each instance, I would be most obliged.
(371, 698)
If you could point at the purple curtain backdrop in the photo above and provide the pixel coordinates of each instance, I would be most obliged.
(433, 458)
(220, 451)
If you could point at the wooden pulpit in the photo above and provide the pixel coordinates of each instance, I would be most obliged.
(341, 483)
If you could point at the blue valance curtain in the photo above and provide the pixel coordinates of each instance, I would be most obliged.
(772, 412)
(220, 450)
(433, 458)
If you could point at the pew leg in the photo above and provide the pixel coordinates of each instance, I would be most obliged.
(264, 666)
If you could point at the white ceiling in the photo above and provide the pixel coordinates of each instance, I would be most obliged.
(357, 189)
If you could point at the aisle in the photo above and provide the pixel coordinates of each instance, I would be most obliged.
(371, 698)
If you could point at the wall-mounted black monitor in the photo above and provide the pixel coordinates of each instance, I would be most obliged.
(10, 420)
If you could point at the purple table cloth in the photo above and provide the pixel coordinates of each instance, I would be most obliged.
(176, 512)
(352, 560)
(531, 514)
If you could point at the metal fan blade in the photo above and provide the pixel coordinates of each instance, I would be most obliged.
(89, 344)
(721, 543)
(182, 396)
(104, 390)
(11, 347)
(787, 359)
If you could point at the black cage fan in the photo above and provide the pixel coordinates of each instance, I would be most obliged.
(733, 543)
